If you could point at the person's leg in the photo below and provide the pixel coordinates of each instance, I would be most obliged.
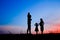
(30, 31)
(27, 31)
(42, 29)
(36, 32)
(41, 32)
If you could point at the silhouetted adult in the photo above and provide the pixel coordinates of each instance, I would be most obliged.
(41, 25)
(36, 28)
(29, 23)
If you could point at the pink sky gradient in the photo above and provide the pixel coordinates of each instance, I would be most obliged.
(17, 30)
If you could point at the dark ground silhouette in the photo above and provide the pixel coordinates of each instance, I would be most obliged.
(30, 37)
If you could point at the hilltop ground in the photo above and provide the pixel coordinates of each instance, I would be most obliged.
(30, 36)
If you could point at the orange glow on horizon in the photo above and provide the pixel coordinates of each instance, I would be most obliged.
(53, 29)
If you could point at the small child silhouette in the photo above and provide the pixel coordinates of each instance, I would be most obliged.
(36, 28)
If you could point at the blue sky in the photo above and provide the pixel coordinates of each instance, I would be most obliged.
(14, 12)
(12, 8)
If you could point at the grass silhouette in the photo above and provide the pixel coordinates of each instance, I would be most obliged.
(49, 36)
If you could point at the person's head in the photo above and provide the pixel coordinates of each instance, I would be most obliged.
(28, 13)
(41, 19)
(36, 23)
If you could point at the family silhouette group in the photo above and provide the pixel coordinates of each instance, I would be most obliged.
(41, 24)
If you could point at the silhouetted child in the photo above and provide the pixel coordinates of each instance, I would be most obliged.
(36, 28)
(41, 25)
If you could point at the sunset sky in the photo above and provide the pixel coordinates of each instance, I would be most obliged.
(13, 15)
